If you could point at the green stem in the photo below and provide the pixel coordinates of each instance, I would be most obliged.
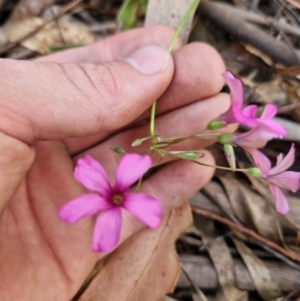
(182, 22)
(220, 167)
(170, 48)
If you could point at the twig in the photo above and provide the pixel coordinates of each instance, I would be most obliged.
(247, 231)
(276, 254)
(259, 18)
(248, 33)
(290, 14)
(289, 44)
(65, 9)
(275, 26)
(261, 245)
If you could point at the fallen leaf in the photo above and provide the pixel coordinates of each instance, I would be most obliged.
(288, 71)
(268, 92)
(292, 88)
(52, 35)
(29, 8)
(223, 263)
(250, 208)
(266, 286)
(145, 267)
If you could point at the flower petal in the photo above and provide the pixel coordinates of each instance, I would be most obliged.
(107, 230)
(282, 205)
(261, 161)
(284, 163)
(286, 179)
(91, 175)
(236, 88)
(255, 138)
(83, 206)
(276, 128)
(269, 111)
(130, 169)
(144, 207)
(250, 111)
(241, 118)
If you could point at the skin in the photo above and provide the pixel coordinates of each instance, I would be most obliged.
(48, 119)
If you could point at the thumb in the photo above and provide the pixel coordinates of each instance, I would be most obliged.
(50, 101)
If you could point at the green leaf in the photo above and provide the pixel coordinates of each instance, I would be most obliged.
(126, 17)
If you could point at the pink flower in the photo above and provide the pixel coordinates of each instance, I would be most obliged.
(235, 114)
(255, 138)
(110, 200)
(247, 116)
(266, 120)
(277, 176)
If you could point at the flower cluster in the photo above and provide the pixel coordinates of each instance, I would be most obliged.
(261, 130)
(110, 201)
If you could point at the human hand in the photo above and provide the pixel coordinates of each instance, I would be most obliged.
(87, 100)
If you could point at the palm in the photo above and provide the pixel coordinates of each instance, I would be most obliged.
(39, 250)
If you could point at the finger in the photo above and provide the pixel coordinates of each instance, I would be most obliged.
(198, 75)
(15, 160)
(186, 121)
(49, 101)
(115, 47)
(163, 185)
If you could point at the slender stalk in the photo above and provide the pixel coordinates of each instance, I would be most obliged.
(182, 22)
(170, 48)
(221, 167)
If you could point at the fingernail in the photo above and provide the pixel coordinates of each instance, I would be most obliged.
(151, 59)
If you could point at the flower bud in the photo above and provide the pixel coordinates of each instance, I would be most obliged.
(189, 155)
(225, 138)
(118, 150)
(254, 172)
(137, 142)
(215, 125)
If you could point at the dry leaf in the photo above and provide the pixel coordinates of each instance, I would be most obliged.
(292, 89)
(52, 35)
(266, 286)
(28, 8)
(145, 267)
(288, 71)
(250, 208)
(223, 263)
(268, 92)
(236, 52)
(222, 260)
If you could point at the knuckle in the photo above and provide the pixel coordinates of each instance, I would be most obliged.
(105, 81)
